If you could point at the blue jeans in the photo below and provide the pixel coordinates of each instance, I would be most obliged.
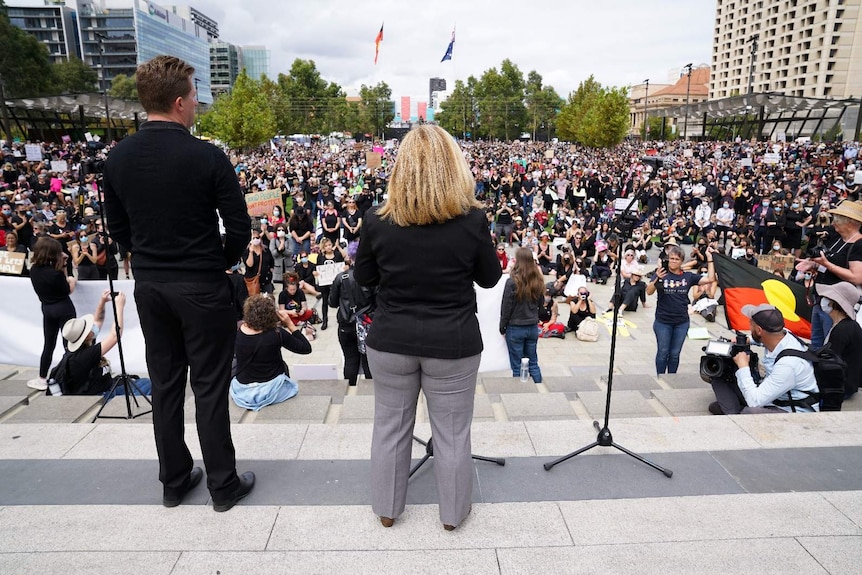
(143, 384)
(521, 341)
(669, 338)
(821, 323)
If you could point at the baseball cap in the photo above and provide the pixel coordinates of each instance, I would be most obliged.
(766, 316)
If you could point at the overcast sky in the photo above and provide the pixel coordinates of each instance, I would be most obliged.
(621, 42)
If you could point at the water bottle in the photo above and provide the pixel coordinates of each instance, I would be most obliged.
(525, 369)
(54, 387)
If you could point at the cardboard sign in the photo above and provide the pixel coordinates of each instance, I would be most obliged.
(59, 166)
(688, 153)
(327, 273)
(857, 177)
(745, 163)
(34, 152)
(549, 154)
(11, 263)
(776, 264)
(772, 158)
(372, 159)
(261, 203)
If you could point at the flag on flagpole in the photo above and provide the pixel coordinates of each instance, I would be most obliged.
(448, 54)
(742, 283)
(377, 42)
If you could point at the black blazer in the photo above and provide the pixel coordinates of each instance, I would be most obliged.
(426, 304)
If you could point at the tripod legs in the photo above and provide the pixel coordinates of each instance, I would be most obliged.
(605, 439)
(129, 388)
(429, 453)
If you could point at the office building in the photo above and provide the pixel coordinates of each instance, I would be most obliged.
(803, 48)
(52, 23)
(194, 15)
(255, 60)
(225, 65)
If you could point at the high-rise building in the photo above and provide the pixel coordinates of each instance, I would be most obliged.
(225, 61)
(804, 48)
(194, 15)
(115, 40)
(255, 60)
(50, 22)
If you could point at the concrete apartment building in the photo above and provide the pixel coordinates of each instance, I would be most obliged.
(803, 48)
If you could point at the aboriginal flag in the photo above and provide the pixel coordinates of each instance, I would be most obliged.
(377, 42)
(742, 283)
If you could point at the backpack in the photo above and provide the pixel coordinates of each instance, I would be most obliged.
(830, 371)
(60, 375)
(588, 330)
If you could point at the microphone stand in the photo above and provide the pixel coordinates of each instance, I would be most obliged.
(605, 438)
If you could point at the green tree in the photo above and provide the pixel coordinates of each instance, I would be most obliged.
(310, 100)
(500, 101)
(378, 109)
(73, 77)
(543, 104)
(24, 64)
(242, 118)
(277, 103)
(594, 115)
(124, 87)
(458, 111)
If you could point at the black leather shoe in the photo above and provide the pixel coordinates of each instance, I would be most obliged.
(325, 324)
(173, 500)
(246, 484)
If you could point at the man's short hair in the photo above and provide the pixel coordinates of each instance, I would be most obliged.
(161, 81)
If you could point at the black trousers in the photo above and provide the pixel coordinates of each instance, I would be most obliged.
(190, 327)
(324, 301)
(631, 300)
(54, 315)
(352, 358)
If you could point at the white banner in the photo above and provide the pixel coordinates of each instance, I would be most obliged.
(21, 337)
(327, 273)
(495, 356)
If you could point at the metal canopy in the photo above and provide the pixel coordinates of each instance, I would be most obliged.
(93, 105)
(771, 102)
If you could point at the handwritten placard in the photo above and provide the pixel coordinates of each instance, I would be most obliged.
(261, 203)
(11, 263)
(372, 159)
(33, 152)
(327, 273)
(772, 158)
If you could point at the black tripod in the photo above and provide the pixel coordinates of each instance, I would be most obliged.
(129, 385)
(429, 453)
(605, 439)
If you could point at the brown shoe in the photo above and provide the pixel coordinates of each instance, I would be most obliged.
(388, 521)
(452, 527)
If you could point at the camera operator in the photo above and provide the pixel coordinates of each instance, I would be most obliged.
(789, 385)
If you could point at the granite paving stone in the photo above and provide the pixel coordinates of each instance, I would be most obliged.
(7, 403)
(818, 429)
(335, 388)
(24, 440)
(624, 403)
(508, 385)
(625, 381)
(7, 371)
(91, 563)
(572, 383)
(482, 410)
(63, 409)
(299, 409)
(16, 387)
(685, 401)
(838, 555)
(357, 409)
(683, 381)
(525, 406)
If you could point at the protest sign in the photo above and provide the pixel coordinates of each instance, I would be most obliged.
(33, 152)
(261, 203)
(372, 159)
(688, 153)
(327, 273)
(549, 154)
(776, 264)
(745, 163)
(11, 263)
(771, 158)
(59, 166)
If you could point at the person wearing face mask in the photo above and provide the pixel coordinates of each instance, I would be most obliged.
(724, 218)
(845, 338)
(580, 308)
(796, 219)
(84, 256)
(788, 385)
(258, 266)
(775, 232)
(277, 217)
(764, 218)
(279, 249)
(307, 277)
(330, 221)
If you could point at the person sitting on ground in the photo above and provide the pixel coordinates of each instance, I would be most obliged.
(87, 370)
(602, 267)
(839, 301)
(503, 257)
(262, 377)
(632, 290)
(580, 308)
(549, 323)
(307, 275)
(788, 385)
(292, 299)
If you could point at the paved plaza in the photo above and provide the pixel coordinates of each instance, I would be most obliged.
(749, 493)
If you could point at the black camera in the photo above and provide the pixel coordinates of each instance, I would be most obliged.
(92, 164)
(717, 362)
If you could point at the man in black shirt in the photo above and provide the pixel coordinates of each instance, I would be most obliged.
(184, 298)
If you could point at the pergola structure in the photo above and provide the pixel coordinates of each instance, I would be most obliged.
(762, 115)
(49, 118)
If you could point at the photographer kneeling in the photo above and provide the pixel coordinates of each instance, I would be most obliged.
(789, 384)
(87, 372)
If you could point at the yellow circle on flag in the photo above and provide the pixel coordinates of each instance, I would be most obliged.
(779, 295)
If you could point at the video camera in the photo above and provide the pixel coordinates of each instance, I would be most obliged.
(91, 164)
(717, 362)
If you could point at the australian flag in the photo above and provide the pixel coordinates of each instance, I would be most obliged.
(448, 54)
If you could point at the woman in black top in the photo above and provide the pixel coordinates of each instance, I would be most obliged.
(262, 377)
(84, 256)
(301, 229)
(53, 288)
(523, 294)
(351, 221)
(425, 334)
(328, 256)
(330, 221)
(259, 262)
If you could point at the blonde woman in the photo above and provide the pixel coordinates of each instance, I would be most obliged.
(424, 248)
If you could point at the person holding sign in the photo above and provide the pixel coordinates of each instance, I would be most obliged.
(329, 264)
(13, 247)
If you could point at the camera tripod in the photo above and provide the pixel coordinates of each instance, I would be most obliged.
(605, 438)
(129, 385)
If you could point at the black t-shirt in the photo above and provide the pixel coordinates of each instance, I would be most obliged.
(846, 340)
(258, 356)
(306, 272)
(49, 284)
(86, 374)
(841, 254)
(292, 302)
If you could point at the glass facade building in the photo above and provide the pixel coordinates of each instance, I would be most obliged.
(224, 66)
(255, 60)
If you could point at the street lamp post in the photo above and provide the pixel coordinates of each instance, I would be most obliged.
(687, 94)
(646, 103)
(753, 41)
(101, 39)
